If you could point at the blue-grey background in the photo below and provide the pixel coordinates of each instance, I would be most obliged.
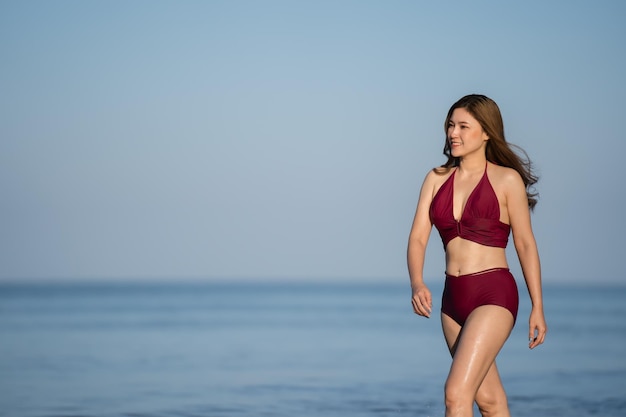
(288, 139)
(204, 205)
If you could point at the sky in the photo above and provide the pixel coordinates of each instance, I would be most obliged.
(288, 140)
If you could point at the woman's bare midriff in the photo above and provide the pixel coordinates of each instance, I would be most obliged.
(466, 257)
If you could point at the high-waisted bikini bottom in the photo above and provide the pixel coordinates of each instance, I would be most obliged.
(462, 294)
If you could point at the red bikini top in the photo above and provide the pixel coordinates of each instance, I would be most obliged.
(480, 219)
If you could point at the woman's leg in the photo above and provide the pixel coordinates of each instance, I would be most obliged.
(491, 398)
(474, 349)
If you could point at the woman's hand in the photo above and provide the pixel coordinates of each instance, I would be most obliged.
(538, 329)
(422, 301)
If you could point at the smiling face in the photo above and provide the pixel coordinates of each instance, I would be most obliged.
(465, 134)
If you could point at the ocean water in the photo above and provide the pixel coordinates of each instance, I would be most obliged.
(298, 350)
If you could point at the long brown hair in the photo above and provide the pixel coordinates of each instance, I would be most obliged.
(498, 150)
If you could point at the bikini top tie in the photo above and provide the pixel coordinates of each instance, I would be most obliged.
(480, 219)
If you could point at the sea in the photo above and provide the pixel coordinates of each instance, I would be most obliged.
(298, 349)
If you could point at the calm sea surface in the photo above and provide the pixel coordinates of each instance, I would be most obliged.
(298, 350)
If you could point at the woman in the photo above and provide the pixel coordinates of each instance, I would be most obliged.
(474, 200)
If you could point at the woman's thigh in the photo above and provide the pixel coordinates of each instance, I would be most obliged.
(475, 346)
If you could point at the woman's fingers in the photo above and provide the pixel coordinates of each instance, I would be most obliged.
(417, 307)
(422, 303)
(537, 336)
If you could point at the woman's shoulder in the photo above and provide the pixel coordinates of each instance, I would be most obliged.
(435, 178)
(438, 175)
(441, 171)
(505, 176)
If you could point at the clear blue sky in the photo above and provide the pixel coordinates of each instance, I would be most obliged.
(289, 139)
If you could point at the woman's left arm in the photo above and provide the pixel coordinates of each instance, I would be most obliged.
(526, 247)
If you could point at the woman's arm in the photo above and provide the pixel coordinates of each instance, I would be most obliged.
(416, 251)
(526, 247)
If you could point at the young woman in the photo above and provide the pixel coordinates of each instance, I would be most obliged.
(474, 200)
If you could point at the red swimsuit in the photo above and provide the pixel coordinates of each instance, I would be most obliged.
(480, 223)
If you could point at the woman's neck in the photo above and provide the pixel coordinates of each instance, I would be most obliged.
(472, 165)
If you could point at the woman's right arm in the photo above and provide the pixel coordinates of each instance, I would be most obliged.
(416, 251)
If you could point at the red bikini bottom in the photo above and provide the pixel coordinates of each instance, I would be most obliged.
(462, 294)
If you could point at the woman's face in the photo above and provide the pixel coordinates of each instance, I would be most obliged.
(465, 134)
